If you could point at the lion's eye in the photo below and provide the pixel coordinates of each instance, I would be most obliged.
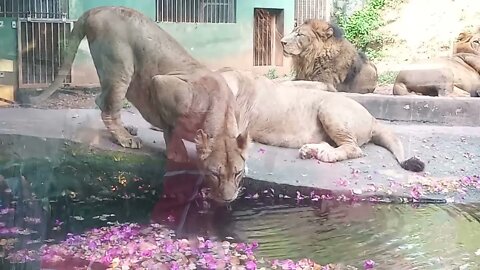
(476, 42)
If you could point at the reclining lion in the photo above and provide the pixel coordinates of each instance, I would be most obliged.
(324, 125)
(321, 53)
(456, 76)
(136, 59)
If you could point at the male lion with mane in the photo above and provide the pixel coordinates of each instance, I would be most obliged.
(321, 53)
(137, 59)
(455, 76)
(327, 126)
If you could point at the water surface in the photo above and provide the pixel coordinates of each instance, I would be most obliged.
(394, 236)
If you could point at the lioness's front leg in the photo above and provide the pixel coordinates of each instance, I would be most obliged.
(173, 97)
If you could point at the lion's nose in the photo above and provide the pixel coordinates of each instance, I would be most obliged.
(283, 42)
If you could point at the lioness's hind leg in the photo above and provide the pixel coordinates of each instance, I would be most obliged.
(115, 75)
(109, 102)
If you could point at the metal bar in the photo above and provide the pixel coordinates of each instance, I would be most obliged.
(267, 29)
(34, 9)
(208, 6)
(39, 53)
(193, 11)
(52, 57)
(58, 47)
(28, 31)
(53, 8)
(260, 34)
(20, 53)
(33, 52)
(62, 47)
(229, 10)
(165, 10)
(64, 41)
(45, 36)
(218, 5)
(41, 8)
(225, 11)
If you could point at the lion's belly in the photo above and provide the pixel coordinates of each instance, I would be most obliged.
(280, 128)
(288, 139)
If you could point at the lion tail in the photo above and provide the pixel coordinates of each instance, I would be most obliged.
(76, 36)
(383, 136)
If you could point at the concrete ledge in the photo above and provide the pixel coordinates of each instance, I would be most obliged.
(450, 154)
(449, 111)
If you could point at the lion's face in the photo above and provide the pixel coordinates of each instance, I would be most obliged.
(468, 42)
(222, 160)
(312, 33)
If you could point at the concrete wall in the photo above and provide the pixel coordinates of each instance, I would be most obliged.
(216, 45)
(8, 59)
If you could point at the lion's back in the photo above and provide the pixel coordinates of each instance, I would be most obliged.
(124, 33)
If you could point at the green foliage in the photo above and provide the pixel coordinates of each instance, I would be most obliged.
(387, 77)
(271, 74)
(126, 104)
(360, 28)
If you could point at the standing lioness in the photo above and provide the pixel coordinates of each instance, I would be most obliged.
(136, 59)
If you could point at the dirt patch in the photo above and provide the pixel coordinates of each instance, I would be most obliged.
(424, 29)
(66, 98)
(71, 99)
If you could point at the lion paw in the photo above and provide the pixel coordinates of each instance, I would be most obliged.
(307, 151)
(327, 155)
(323, 152)
(129, 141)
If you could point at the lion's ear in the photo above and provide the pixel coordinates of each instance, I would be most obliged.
(329, 32)
(243, 141)
(203, 145)
(463, 36)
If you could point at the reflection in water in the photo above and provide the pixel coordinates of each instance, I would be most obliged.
(395, 236)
